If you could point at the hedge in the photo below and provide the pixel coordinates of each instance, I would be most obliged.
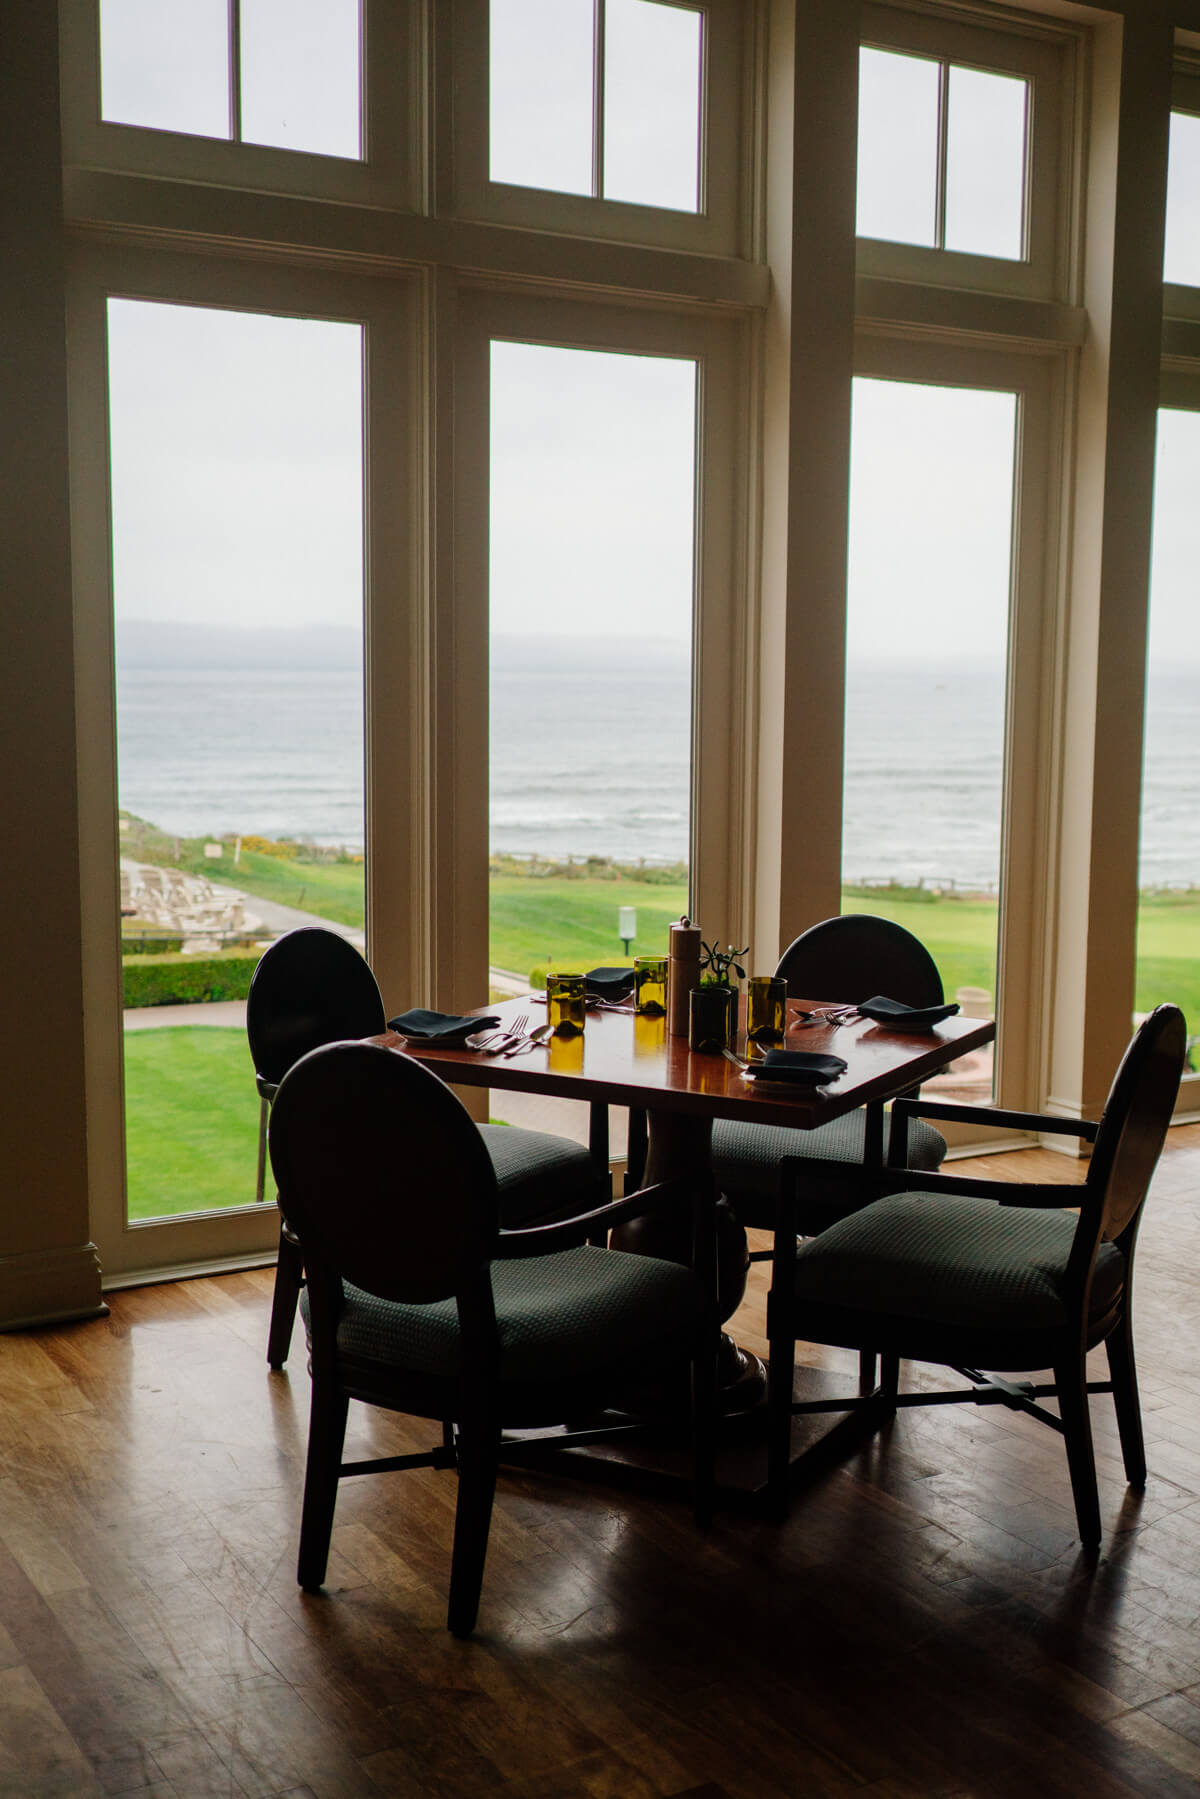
(186, 980)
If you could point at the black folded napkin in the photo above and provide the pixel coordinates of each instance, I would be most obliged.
(608, 983)
(882, 1010)
(803, 1067)
(446, 1028)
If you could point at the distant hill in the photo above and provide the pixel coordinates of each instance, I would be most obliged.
(151, 643)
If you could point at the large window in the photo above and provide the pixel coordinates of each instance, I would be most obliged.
(931, 529)
(237, 527)
(592, 585)
(1168, 964)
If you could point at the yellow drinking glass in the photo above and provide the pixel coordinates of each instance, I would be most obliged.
(766, 1009)
(565, 1008)
(650, 984)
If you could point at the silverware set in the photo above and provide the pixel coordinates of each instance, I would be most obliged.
(831, 1015)
(514, 1040)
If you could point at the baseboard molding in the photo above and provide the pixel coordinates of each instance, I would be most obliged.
(188, 1271)
(50, 1286)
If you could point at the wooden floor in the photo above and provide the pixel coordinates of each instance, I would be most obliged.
(922, 1625)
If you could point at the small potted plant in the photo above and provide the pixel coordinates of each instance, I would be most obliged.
(713, 1010)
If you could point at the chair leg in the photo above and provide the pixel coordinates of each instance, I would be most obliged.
(326, 1434)
(1123, 1370)
(1070, 1380)
(289, 1278)
(866, 1372)
(889, 1378)
(478, 1455)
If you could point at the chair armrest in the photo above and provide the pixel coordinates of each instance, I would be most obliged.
(881, 1183)
(568, 1233)
(995, 1117)
(1046, 1194)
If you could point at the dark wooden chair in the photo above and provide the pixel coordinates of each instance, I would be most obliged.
(418, 1301)
(849, 958)
(313, 987)
(994, 1275)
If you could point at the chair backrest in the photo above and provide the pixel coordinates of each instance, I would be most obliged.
(382, 1174)
(1134, 1123)
(311, 987)
(856, 956)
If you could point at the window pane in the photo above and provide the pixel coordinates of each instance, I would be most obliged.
(652, 70)
(541, 94)
(897, 147)
(166, 66)
(237, 520)
(985, 163)
(1181, 261)
(592, 523)
(930, 555)
(1168, 961)
(300, 75)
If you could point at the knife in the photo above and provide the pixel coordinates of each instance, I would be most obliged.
(530, 1042)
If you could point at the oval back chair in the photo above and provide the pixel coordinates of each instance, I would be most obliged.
(848, 958)
(419, 1302)
(313, 987)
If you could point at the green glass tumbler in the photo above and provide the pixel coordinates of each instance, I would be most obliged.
(650, 985)
(565, 1007)
(766, 1010)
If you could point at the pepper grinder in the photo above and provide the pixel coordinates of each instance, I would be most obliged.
(683, 973)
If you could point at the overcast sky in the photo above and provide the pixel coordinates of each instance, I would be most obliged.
(237, 438)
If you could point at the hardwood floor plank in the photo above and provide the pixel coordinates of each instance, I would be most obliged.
(923, 1626)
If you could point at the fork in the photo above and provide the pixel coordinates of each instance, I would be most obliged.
(499, 1040)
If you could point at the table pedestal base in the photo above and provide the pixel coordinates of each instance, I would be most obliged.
(679, 1148)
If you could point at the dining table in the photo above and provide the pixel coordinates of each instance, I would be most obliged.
(628, 1059)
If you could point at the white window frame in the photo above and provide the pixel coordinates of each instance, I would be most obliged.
(1035, 658)
(396, 723)
(721, 226)
(1180, 301)
(722, 758)
(1179, 391)
(391, 171)
(1045, 56)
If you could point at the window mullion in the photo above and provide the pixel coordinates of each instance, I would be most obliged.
(600, 26)
(939, 221)
(235, 71)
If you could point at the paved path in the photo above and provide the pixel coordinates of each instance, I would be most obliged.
(288, 918)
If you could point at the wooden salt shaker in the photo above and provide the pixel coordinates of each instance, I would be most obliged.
(683, 973)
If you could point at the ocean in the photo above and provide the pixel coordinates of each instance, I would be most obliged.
(590, 756)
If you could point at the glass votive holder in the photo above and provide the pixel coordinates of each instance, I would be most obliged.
(565, 1006)
(650, 985)
(712, 1019)
(766, 1009)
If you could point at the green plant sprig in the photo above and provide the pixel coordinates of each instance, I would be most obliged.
(719, 963)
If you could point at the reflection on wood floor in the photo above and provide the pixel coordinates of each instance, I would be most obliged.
(921, 1625)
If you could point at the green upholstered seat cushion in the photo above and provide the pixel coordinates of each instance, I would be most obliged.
(558, 1316)
(541, 1177)
(747, 1156)
(948, 1259)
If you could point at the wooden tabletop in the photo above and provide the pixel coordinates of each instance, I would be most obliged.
(627, 1060)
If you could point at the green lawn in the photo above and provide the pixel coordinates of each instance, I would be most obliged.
(191, 1108)
(332, 890)
(573, 923)
(191, 1120)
